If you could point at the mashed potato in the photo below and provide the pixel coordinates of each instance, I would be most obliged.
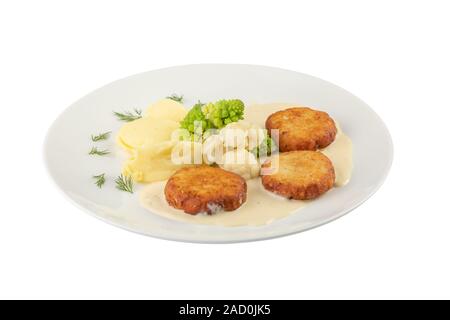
(148, 140)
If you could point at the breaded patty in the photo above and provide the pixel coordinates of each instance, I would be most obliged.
(302, 128)
(205, 189)
(302, 175)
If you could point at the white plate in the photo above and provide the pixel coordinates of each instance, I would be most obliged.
(68, 142)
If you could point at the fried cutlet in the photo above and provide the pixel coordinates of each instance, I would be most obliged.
(302, 128)
(301, 175)
(205, 189)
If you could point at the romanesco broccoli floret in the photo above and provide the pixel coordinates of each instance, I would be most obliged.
(194, 119)
(212, 115)
(224, 112)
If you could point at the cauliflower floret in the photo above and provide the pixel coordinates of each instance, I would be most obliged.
(241, 162)
(213, 149)
(241, 124)
(242, 134)
(234, 138)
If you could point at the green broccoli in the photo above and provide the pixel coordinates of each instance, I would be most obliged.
(224, 112)
(265, 148)
(195, 117)
(212, 115)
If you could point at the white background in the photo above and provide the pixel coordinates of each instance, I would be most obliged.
(393, 54)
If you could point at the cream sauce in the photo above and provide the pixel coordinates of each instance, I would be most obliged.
(262, 207)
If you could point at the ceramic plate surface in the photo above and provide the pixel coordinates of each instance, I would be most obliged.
(68, 142)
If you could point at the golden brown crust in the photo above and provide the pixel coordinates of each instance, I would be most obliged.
(205, 189)
(302, 128)
(301, 175)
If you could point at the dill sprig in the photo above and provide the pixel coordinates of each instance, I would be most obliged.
(124, 183)
(100, 136)
(99, 180)
(175, 97)
(128, 116)
(95, 151)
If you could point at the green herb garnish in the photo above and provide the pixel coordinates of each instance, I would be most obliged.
(176, 97)
(99, 180)
(265, 148)
(124, 183)
(95, 151)
(129, 116)
(100, 136)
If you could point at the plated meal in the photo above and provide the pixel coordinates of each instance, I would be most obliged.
(229, 164)
(238, 153)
